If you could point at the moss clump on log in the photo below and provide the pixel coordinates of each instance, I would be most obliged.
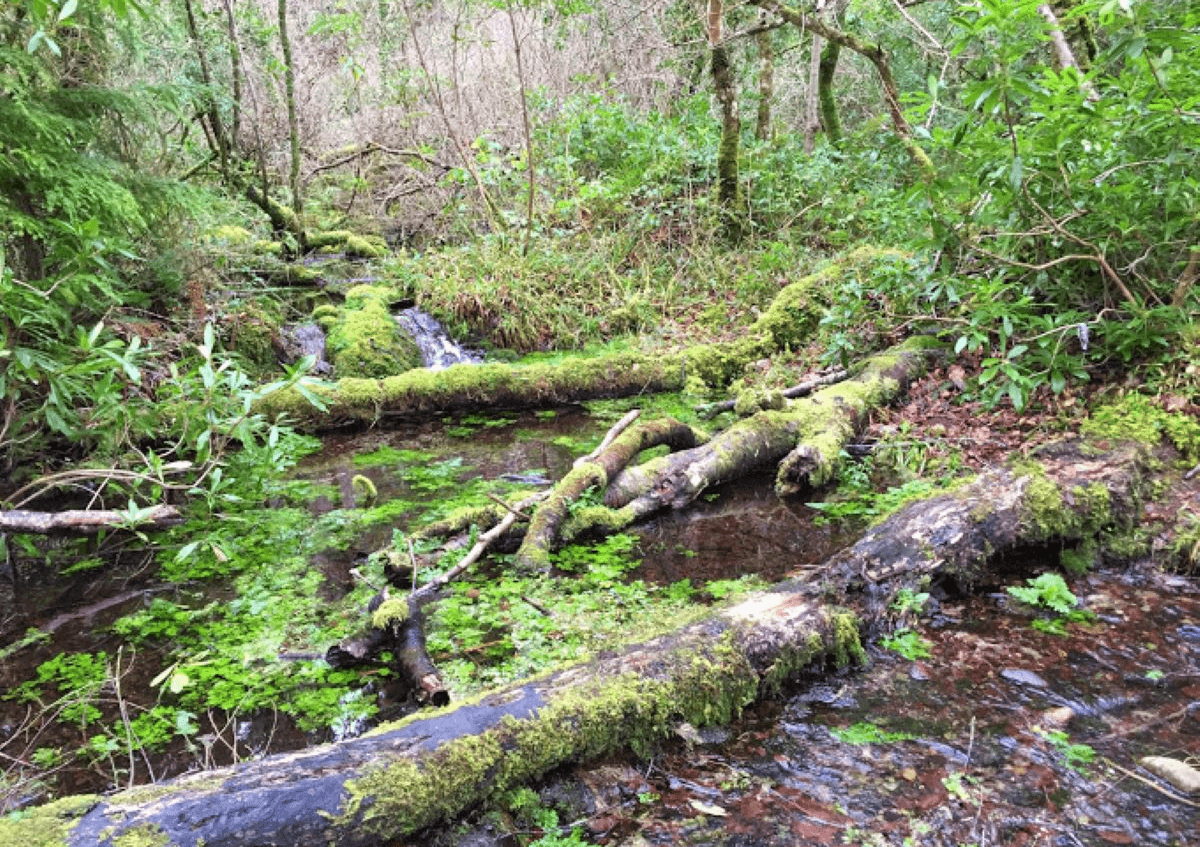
(355, 246)
(364, 340)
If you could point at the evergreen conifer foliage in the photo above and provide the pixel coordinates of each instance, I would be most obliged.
(72, 205)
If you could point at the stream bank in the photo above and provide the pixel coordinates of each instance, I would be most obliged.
(1002, 734)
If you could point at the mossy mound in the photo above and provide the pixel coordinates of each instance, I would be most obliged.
(364, 340)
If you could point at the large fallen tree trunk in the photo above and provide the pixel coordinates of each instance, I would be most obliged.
(793, 314)
(407, 776)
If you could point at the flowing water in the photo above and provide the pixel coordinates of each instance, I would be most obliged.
(438, 349)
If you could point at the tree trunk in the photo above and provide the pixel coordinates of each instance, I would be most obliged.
(877, 56)
(766, 78)
(725, 89)
(812, 119)
(289, 81)
(829, 112)
(405, 777)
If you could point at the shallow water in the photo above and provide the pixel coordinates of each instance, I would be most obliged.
(983, 766)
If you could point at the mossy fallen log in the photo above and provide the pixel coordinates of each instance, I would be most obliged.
(429, 768)
(420, 392)
(807, 434)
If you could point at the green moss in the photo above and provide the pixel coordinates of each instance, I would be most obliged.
(364, 341)
(251, 332)
(1047, 515)
(462, 519)
(708, 686)
(326, 315)
(392, 611)
(598, 519)
(366, 247)
(147, 835)
(365, 492)
(1078, 561)
(847, 646)
(48, 825)
(1136, 417)
(754, 400)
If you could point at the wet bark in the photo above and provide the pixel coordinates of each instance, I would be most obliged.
(396, 627)
(408, 776)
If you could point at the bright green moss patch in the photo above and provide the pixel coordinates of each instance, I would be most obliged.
(364, 340)
(45, 826)
(1047, 513)
(1136, 417)
(576, 723)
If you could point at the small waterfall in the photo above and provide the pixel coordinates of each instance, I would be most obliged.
(438, 349)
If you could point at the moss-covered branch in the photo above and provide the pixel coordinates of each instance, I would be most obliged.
(877, 56)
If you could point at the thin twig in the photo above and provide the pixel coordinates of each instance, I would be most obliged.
(804, 388)
(427, 591)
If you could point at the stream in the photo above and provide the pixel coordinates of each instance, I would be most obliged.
(1002, 734)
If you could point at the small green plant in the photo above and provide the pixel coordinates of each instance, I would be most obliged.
(908, 643)
(909, 601)
(865, 732)
(955, 785)
(528, 809)
(1075, 756)
(1049, 591)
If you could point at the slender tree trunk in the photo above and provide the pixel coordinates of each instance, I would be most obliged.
(825, 72)
(235, 72)
(289, 78)
(766, 78)
(728, 189)
(812, 118)
(214, 127)
(1062, 49)
(527, 127)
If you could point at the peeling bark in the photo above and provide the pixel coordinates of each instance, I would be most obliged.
(415, 773)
